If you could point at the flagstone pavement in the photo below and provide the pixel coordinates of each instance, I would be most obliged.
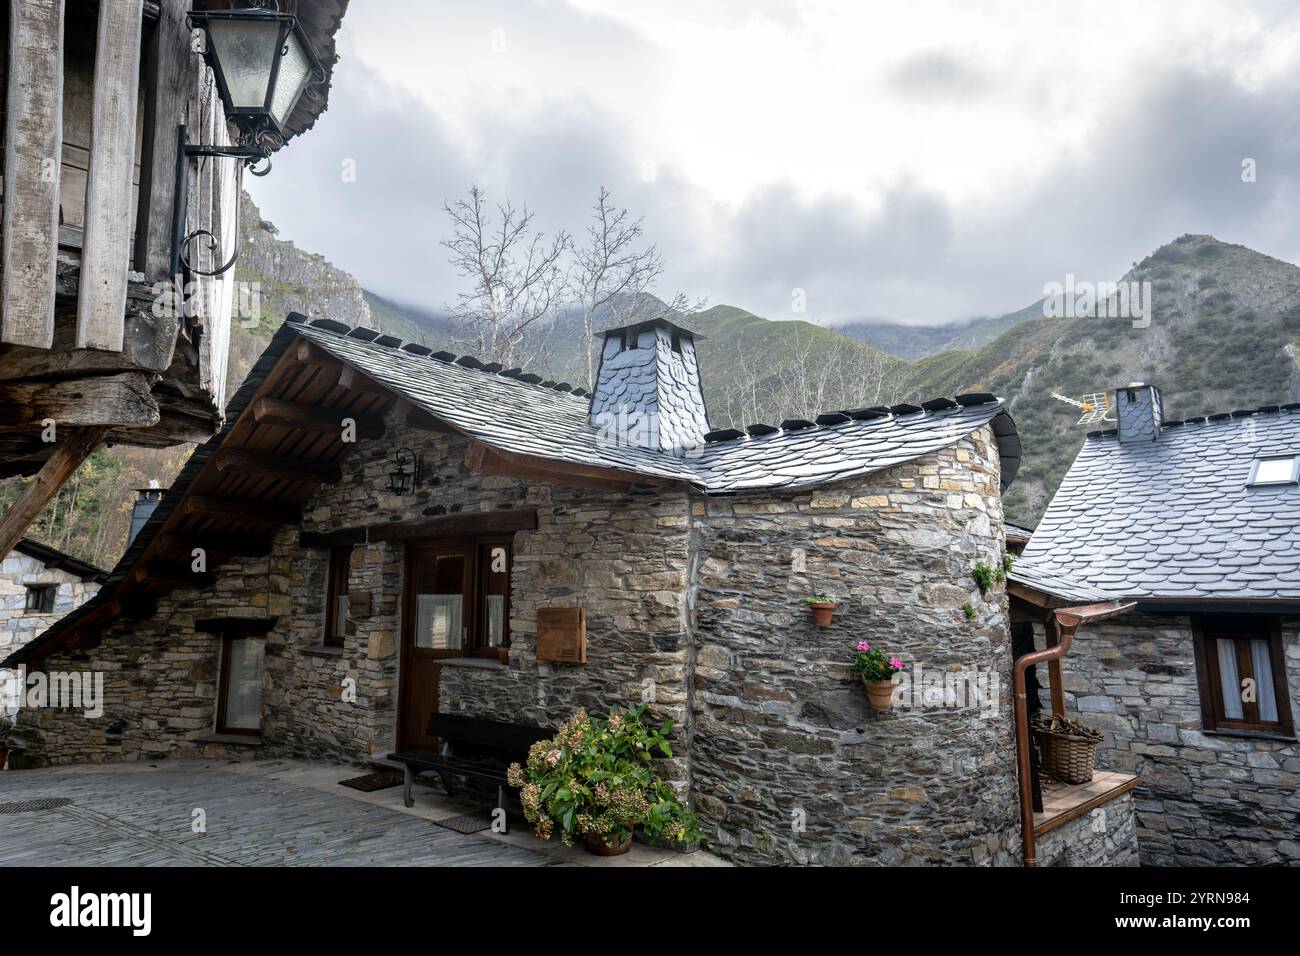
(258, 813)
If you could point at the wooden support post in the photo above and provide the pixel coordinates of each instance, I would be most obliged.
(106, 246)
(33, 148)
(170, 86)
(1055, 673)
(71, 449)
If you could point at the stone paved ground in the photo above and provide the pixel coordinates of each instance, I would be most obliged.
(264, 812)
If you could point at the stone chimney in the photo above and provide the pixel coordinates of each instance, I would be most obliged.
(146, 500)
(1139, 412)
(648, 392)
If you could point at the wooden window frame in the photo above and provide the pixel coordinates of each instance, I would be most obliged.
(336, 581)
(223, 681)
(1207, 629)
(42, 589)
(472, 610)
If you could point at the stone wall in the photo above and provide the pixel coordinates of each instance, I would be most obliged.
(17, 627)
(789, 763)
(695, 605)
(1204, 798)
(1104, 836)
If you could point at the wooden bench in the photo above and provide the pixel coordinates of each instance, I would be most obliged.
(471, 747)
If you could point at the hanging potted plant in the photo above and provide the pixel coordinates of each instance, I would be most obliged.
(822, 609)
(594, 780)
(877, 673)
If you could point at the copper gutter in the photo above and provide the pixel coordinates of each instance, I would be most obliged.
(1068, 620)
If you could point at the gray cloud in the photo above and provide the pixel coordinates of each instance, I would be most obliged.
(1168, 162)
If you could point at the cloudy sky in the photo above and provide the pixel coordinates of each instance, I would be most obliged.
(920, 162)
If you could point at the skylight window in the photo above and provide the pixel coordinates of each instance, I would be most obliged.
(1275, 470)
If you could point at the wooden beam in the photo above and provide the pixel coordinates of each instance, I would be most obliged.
(33, 147)
(412, 416)
(119, 400)
(308, 353)
(240, 510)
(354, 381)
(490, 461)
(214, 544)
(169, 71)
(282, 414)
(71, 449)
(171, 574)
(149, 346)
(244, 462)
(105, 253)
(1055, 672)
(474, 522)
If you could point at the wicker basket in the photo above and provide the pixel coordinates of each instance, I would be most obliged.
(1066, 757)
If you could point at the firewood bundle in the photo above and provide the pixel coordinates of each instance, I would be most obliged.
(1067, 726)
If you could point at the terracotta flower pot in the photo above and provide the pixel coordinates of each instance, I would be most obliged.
(880, 694)
(822, 613)
(601, 847)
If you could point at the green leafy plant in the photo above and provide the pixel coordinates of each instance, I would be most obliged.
(872, 665)
(985, 576)
(819, 599)
(1008, 562)
(594, 778)
(969, 610)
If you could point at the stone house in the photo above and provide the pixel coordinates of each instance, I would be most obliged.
(38, 585)
(381, 531)
(1198, 522)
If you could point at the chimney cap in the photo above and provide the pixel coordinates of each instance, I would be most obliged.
(648, 324)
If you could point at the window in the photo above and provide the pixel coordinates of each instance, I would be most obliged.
(1242, 674)
(337, 621)
(1275, 470)
(40, 598)
(461, 598)
(239, 701)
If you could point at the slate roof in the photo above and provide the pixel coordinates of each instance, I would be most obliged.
(511, 414)
(1172, 519)
(54, 558)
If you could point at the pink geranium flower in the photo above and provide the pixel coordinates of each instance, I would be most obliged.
(895, 663)
(863, 646)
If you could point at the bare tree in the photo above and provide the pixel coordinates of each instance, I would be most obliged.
(812, 376)
(516, 276)
(609, 267)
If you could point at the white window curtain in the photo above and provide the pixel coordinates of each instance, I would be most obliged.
(437, 622)
(1261, 662)
(1230, 680)
(244, 684)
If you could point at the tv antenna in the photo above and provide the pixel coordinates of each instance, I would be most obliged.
(1095, 406)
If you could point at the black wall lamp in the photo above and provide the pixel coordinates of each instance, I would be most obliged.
(263, 65)
(401, 481)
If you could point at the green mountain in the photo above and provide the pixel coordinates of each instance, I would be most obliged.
(1224, 335)
(921, 341)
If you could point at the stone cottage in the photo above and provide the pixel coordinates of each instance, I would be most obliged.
(38, 585)
(1198, 522)
(377, 530)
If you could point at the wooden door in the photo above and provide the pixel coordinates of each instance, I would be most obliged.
(435, 626)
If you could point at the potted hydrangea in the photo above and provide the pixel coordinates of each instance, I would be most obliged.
(594, 780)
(877, 673)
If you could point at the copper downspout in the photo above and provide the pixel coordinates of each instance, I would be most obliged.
(1068, 620)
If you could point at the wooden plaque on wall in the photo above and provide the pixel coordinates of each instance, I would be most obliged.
(562, 634)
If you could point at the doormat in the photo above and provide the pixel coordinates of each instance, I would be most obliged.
(28, 806)
(468, 822)
(369, 783)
